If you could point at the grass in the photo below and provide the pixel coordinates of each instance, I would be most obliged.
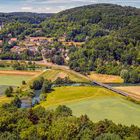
(98, 103)
(2, 89)
(116, 109)
(66, 94)
(104, 78)
(53, 74)
(6, 68)
(133, 91)
(13, 80)
(4, 99)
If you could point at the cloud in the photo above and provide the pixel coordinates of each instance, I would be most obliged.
(53, 6)
(26, 8)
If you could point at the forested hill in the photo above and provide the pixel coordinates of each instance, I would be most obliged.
(93, 20)
(112, 36)
(25, 17)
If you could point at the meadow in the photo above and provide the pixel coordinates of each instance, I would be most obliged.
(98, 103)
(104, 78)
(2, 89)
(15, 78)
(131, 90)
(53, 74)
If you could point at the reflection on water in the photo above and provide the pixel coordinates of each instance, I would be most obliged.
(28, 103)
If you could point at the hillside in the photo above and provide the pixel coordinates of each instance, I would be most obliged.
(111, 35)
(24, 17)
(92, 21)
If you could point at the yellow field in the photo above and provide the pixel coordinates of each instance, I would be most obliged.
(97, 102)
(133, 91)
(4, 99)
(105, 78)
(62, 95)
(16, 72)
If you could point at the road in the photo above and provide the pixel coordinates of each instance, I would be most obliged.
(123, 93)
(66, 68)
(111, 88)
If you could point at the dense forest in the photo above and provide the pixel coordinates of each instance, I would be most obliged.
(23, 17)
(58, 124)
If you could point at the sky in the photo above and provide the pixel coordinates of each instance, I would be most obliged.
(54, 6)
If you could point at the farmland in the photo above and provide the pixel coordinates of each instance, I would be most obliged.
(65, 94)
(53, 74)
(98, 103)
(14, 78)
(4, 99)
(131, 90)
(104, 78)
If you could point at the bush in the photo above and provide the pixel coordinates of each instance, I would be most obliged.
(47, 85)
(64, 111)
(16, 102)
(9, 91)
(65, 80)
(108, 136)
(23, 83)
(37, 84)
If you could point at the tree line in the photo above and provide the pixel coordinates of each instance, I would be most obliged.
(41, 124)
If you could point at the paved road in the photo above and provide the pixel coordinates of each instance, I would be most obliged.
(111, 88)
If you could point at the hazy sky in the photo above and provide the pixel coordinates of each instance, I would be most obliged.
(51, 6)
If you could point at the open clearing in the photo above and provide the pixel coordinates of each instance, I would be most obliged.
(103, 78)
(53, 74)
(131, 90)
(66, 94)
(15, 78)
(98, 103)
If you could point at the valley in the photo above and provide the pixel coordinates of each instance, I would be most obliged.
(91, 100)
(71, 75)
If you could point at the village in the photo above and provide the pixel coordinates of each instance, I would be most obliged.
(43, 45)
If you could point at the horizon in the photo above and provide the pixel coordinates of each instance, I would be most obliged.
(55, 6)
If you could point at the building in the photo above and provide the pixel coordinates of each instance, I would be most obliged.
(37, 39)
(40, 39)
(1, 42)
(18, 50)
(12, 40)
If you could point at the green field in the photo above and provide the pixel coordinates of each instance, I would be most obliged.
(98, 103)
(2, 89)
(6, 68)
(13, 80)
(54, 73)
